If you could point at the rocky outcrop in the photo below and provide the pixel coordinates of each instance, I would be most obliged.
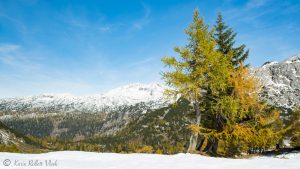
(281, 82)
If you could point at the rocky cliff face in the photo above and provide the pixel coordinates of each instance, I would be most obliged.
(281, 82)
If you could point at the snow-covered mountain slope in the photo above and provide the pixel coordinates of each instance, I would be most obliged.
(281, 82)
(150, 94)
(87, 160)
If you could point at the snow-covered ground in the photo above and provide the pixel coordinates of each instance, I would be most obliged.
(86, 160)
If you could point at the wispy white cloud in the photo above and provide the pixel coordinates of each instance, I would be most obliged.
(140, 23)
(14, 21)
(249, 13)
(80, 20)
(77, 23)
(8, 47)
(11, 55)
(256, 3)
(141, 62)
(105, 28)
(26, 74)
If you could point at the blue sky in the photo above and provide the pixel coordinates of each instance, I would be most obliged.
(87, 47)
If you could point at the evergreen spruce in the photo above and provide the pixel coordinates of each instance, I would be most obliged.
(224, 37)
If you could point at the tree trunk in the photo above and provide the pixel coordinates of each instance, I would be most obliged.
(194, 136)
(193, 143)
(201, 142)
(212, 146)
(208, 145)
(215, 147)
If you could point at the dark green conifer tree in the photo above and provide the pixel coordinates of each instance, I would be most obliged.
(224, 37)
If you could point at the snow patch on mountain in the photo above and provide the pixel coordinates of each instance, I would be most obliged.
(132, 94)
(136, 93)
(293, 59)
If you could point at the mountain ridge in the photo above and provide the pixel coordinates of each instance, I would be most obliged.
(131, 94)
